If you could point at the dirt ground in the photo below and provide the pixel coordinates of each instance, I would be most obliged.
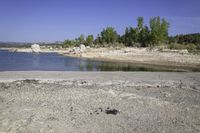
(96, 102)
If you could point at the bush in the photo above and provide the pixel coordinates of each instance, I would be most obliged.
(192, 48)
(69, 43)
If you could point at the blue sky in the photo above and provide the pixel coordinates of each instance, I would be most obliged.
(56, 20)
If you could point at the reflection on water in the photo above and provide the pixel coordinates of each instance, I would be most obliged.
(107, 66)
(36, 60)
(13, 61)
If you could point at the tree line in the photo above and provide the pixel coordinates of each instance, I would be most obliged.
(154, 34)
(140, 36)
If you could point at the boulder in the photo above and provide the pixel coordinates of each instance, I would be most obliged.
(82, 48)
(184, 51)
(35, 48)
(87, 47)
(75, 50)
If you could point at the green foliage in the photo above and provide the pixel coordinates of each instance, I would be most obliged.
(176, 46)
(189, 38)
(159, 30)
(142, 33)
(130, 37)
(89, 40)
(140, 36)
(143, 37)
(69, 43)
(140, 23)
(192, 48)
(191, 42)
(98, 41)
(81, 39)
(109, 35)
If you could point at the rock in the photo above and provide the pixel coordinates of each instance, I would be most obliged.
(35, 48)
(184, 51)
(75, 50)
(82, 48)
(88, 47)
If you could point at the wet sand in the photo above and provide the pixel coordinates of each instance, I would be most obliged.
(99, 102)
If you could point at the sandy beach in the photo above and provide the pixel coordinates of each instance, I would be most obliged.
(98, 102)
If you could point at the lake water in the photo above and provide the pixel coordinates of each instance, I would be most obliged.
(19, 61)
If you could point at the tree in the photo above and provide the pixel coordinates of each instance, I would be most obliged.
(144, 37)
(164, 30)
(81, 39)
(69, 43)
(126, 36)
(109, 35)
(142, 32)
(140, 23)
(89, 39)
(159, 30)
(98, 40)
(130, 37)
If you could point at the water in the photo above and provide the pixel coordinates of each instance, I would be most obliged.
(19, 61)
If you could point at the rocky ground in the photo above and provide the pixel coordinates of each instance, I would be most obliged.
(99, 102)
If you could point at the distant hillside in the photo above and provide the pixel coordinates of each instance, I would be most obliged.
(26, 44)
(14, 44)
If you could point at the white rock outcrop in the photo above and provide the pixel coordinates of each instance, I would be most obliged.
(35, 48)
(76, 50)
(82, 48)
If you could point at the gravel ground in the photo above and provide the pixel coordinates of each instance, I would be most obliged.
(108, 102)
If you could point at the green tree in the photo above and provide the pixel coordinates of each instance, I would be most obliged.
(144, 37)
(140, 23)
(142, 32)
(164, 29)
(130, 37)
(109, 35)
(159, 30)
(81, 39)
(69, 43)
(89, 39)
(98, 40)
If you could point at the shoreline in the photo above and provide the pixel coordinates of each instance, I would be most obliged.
(165, 65)
(139, 60)
(132, 56)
